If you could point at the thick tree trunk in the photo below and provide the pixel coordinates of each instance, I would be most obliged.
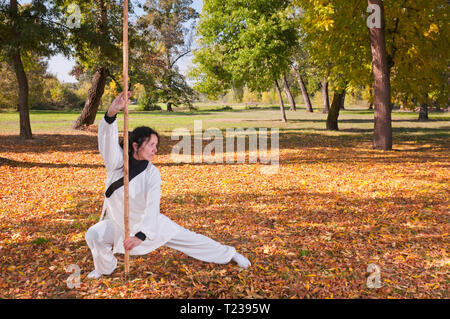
(304, 90)
(325, 97)
(16, 59)
(289, 94)
(280, 98)
(382, 139)
(333, 114)
(169, 107)
(94, 97)
(423, 113)
(24, 114)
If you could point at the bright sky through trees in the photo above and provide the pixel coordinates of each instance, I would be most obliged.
(61, 66)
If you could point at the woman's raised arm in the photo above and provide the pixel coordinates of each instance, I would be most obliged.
(108, 136)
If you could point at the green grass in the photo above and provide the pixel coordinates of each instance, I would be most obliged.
(303, 253)
(354, 121)
(40, 241)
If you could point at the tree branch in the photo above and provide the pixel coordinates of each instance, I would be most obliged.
(179, 57)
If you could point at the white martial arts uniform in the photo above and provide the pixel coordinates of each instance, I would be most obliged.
(106, 237)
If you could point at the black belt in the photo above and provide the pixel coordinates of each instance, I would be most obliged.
(134, 171)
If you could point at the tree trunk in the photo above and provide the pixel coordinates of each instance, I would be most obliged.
(16, 59)
(289, 94)
(404, 103)
(382, 139)
(333, 114)
(304, 90)
(280, 98)
(94, 97)
(24, 114)
(423, 113)
(169, 107)
(325, 97)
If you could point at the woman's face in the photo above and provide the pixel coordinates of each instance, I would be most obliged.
(147, 150)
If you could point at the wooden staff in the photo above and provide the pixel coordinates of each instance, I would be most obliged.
(125, 134)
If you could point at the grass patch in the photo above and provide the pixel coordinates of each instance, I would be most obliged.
(40, 241)
(353, 122)
(303, 253)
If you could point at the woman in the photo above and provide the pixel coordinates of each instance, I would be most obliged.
(149, 229)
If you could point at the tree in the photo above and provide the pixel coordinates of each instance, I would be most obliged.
(40, 84)
(333, 113)
(303, 89)
(334, 36)
(288, 93)
(423, 112)
(96, 47)
(325, 97)
(245, 42)
(300, 66)
(412, 65)
(343, 99)
(416, 40)
(382, 138)
(209, 72)
(280, 99)
(164, 23)
(8, 87)
(26, 31)
(25, 126)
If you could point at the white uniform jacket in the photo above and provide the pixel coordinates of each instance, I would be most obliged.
(144, 197)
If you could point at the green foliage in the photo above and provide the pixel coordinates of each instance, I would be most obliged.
(65, 98)
(8, 87)
(418, 46)
(34, 29)
(98, 43)
(210, 76)
(335, 36)
(147, 102)
(168, 25)
(175, 90)
(45, 91)
(243, 42)
(98, 40)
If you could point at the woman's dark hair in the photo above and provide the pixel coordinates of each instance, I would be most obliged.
(139, 135)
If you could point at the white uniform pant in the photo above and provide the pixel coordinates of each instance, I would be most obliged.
(100, 239)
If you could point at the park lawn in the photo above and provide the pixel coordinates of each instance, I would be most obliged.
(352, 121)
(311, 230)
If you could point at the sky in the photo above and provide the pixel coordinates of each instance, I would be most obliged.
(61, 66)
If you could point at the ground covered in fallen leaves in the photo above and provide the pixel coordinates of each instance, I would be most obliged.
(311, 230)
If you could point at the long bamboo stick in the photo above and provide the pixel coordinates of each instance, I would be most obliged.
(125, 134)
